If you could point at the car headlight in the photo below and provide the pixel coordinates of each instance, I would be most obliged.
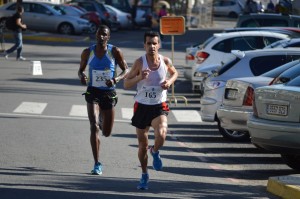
(215, 84)
(201, 74)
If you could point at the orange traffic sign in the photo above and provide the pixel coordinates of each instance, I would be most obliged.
(172, 25)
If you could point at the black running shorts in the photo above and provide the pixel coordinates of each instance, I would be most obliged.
(144, 114)
(106, 99)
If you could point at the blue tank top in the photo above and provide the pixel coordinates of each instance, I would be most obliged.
(101, 69)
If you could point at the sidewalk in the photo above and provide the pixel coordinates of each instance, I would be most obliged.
(287, 187)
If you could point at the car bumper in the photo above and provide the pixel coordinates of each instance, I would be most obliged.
(208, 108)
(233, 118)
(280, 137)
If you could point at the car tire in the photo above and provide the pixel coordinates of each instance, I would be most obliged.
(93, 28)
(66, 29)
(292, 161)
(235, 136)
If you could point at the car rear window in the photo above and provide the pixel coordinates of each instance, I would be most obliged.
(262, 64)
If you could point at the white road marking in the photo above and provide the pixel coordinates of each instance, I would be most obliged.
(31, 108)
(78, 110)
(127, 113)
(187, 115)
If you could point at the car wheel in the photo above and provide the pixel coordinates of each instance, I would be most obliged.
(93, 28)
(66, 29)
(292, 161)
(236, 136)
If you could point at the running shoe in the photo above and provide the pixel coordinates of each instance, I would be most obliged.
(97, 169)
(100, 120)
(157, 163)
(143, 185)
(21, 58)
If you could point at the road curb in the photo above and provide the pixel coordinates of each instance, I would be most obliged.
(287, 187)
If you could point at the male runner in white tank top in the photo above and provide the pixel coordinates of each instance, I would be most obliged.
(153, 74)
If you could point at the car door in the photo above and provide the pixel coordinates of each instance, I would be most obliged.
(42, 18)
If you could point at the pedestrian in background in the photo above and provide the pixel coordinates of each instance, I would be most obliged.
(162, 12)
(250, 7)
(101, 81)
(153, 74)
(19, 27)
(270, 7)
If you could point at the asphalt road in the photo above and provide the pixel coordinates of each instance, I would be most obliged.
(47, 154)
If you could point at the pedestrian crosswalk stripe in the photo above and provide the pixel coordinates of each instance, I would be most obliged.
(78, 110)
(127, 113)
(187, 115)
(31, 107)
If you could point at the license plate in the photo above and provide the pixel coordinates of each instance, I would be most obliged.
(273, 109)
(231, 94)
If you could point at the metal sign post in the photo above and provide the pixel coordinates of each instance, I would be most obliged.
(173, 26)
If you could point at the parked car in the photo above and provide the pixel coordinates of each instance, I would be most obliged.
(246, 64)
(216, 50)
(123, 18)
(293, 32)
(40, 16)
(228, 8)
(237, 99)
(274, 124)
(144, 16)
(97, 6)
(285, 43)
(93, 17)
(268, 19)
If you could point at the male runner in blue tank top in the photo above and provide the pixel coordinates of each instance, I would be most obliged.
(101, 79)
(153, 74)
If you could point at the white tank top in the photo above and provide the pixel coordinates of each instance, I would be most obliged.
(149, 91)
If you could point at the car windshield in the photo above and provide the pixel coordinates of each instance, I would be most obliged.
(294, 82)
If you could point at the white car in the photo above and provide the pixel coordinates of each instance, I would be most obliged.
(246, 64)
(237, 100)
(217, 50)
(275, 123)
(40, 16)
(123, 18)
(228, 8)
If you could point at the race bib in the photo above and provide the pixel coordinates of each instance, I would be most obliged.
(151, 94)
(100, 77)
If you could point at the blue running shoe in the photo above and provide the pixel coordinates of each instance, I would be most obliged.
(157, 163)
(143, 185)
(97, 169)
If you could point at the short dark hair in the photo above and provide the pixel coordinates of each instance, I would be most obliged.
(151, 34)
(102, 27)
(19, 8)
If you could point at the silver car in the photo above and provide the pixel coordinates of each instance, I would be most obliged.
(275, 123)
(246, 64)
(40, 16)
(237, 100)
